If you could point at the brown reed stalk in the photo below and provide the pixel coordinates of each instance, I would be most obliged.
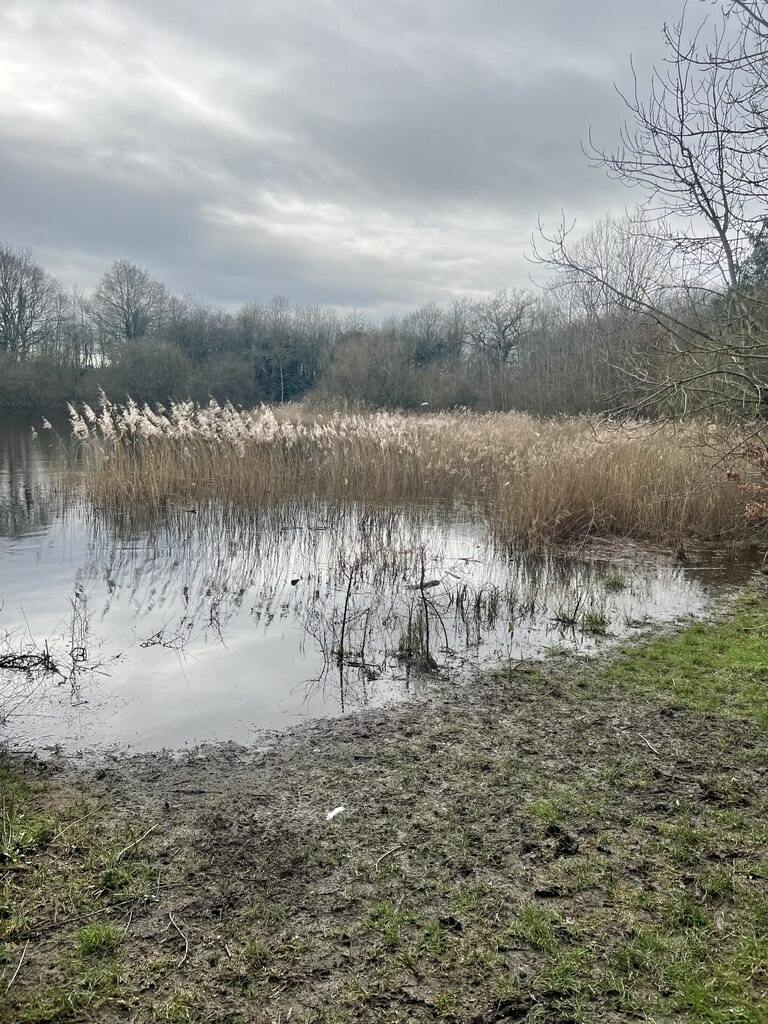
(535, 481)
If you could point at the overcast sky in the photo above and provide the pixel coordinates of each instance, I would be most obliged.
(378, 153)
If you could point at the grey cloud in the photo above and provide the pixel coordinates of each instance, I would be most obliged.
(338, 151)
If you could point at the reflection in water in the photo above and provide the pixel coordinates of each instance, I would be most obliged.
(26, 500)
(210, 624)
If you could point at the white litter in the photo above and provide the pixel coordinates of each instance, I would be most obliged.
(334, 812)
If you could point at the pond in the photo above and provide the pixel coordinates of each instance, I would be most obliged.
(133, 633)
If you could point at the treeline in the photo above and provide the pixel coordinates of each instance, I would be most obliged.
(569, 349)
(132, 337)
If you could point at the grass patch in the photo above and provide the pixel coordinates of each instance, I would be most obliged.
(98, 940)
(595, 622)
(537, 927)
(66, 868)
(714, 668)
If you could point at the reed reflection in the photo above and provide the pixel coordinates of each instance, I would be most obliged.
(375, 593)
(28, 501)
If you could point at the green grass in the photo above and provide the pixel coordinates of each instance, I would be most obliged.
(21, 832)
(179, 1009)
(595, 622)
(66, 869)
(98, 940)
(715, 668)
(536, 926)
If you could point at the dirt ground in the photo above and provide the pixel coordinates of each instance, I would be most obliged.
(548, 844)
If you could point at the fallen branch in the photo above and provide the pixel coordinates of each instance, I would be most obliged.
(21, 662)
(136, 842)
(72, 824)
(648, 743)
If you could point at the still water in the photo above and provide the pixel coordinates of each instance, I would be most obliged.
(211, 624)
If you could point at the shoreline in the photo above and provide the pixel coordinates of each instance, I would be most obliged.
(562, 842)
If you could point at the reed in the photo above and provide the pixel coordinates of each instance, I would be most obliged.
(535, 481)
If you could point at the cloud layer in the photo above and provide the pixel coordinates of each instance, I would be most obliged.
(377, 153)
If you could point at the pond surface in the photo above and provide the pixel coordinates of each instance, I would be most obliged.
(212, 624)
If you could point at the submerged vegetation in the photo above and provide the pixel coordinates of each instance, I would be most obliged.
(309, 604)
(535, 481)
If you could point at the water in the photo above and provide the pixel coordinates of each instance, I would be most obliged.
(215, 625)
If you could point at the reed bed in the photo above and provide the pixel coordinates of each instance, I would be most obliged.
(535, 481)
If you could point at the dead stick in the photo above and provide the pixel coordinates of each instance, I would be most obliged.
(136, 842)
(197, 792)
(73, 823)
(18, 968)
(648, 742)
(184, 937)
(393, 850)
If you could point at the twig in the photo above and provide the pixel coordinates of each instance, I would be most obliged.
(96, 913)
(73, 823)
(648, 743)
(197, 792)
(136, 842)
(18, 968)
(393, 850)
(184, 937)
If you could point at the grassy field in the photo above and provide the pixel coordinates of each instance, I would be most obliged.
(535, 481)
(578, 841)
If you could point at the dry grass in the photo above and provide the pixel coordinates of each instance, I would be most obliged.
(536, 481)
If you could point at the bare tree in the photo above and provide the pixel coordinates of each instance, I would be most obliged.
(129, 304)
(457, 318)
(627, 266)
(698, 149)
(355, 324)
(82, 337)
(424, 333)
(27, 297)
(495, 327)
(197, 328)
(754, 11)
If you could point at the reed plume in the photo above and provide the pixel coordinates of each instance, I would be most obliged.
(534, 481)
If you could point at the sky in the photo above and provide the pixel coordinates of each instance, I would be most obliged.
(369, 153)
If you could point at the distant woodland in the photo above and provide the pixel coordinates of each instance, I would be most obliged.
(131, 337)
(578, 346)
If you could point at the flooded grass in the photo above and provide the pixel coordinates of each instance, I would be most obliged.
(532, 481)
(584, 842)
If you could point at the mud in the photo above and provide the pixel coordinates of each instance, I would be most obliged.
(458, 813)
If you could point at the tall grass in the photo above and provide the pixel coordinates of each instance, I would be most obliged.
(535, 481)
